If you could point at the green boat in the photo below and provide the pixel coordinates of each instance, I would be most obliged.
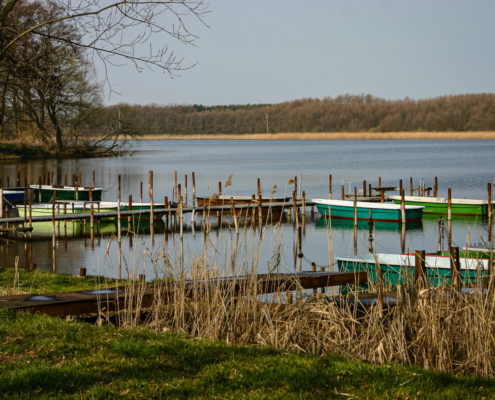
(386, 212)
(439, 205)
(65, 193)
(400, 267)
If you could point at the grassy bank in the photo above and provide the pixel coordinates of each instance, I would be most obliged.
(20, 149)
(43, 357)
(331, 136)
(36, 282)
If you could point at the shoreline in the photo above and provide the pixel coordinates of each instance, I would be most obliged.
(471, 135)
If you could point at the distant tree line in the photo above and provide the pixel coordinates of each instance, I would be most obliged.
(345, 113)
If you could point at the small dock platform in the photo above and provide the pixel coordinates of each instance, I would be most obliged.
(92, 301)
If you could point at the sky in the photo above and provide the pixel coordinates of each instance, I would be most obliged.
(271, 51)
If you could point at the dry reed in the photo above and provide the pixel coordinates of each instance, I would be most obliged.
(437, 328)
(478, 135)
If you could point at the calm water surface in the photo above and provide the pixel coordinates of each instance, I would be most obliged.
(464, 166)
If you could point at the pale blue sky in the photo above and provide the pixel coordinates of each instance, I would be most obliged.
(273, 51)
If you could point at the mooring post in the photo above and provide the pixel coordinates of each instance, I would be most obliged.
(303, 202)
(330, 187)
(82, 272)
(39, 194)
(489, 201)
(260, 208)
(185, 188)
(65, 179)
(411, 186)
(25, 200)
(91, 217)
(194, 185)
(370, 236)
(449, 205)
(8, 180)
(402, 206)
(364, 189)
(294, 203)
(295, 186)
(77, 191)
(90, 190)
(118, 214)
(419, 266)
(234, 215)
(129, 207)
(355, 193)
(400, 185)
(435, 188)
(382, 196)
(32, 266)
(19, 178)
(180, 217)
(219, 189)
(30, 215)
(48, 178)
(259, 187)
(455, 267)
(343, 193)
(1, 203)
(152, 213)
(355, 212)
(439, 245)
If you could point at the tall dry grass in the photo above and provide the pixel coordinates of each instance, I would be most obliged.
(218, 296)
(332, 136)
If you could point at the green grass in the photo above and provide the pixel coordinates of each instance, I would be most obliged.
(44, 357)
(37, 282)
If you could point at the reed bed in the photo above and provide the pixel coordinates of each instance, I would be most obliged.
(483, 135)
(219, 296)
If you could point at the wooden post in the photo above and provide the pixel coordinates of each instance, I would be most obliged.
(259, 187)
(435, 188)
(295, 186)
(118, 215)
(364, 189)
(294, 203)
(455, 267)
(8, 180)
(82, 272)
(129, 207)
(234, 215)
(1, 203)
(53, 182)
(355, 193)
(355, 213)
(194, 185)
(48, 182)
(18, 178)
(179, 194)
(25, 200)
(411, 185)
(30, 215)
(343, 193)
(400, 185)
(32, 266)
(219, 189)
(65, 179)
(260, 208)
(369, 189)
(330, 187)
(303, 202)
(382, 196)
(185, 188)
(152, 213)
(449, 205)
(379, 181)
(90, 194)
(91, 217)
(489, 201)
(39, 194)
(419, 266)
(402, 206)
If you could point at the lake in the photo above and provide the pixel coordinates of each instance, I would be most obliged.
(464, 166)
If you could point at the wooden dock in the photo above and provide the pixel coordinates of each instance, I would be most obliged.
(92, 301)
(158, 211)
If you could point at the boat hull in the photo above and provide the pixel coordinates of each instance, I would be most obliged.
(225, 200)
(459, 207)
(345, 210)
(65, 193)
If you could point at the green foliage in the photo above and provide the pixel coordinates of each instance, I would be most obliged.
(43, 357)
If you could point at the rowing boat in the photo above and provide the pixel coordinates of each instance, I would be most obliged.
(439, 205)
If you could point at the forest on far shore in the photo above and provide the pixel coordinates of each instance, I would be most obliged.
(344, 113)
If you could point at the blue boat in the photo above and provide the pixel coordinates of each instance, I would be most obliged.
(13, 196)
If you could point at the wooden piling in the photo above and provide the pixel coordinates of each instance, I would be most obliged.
(294, 203)
(129, 207)
(234, 215)
(379, 181)
(402, 206)
(32, 266)
(91, 218)
(364, 189)
(185, 187)
(382, 196)
(330, 187)
(152, 208)
(295, 186)
(400, 185)
(449, 205)
(355, 213)
(343, 193)
(1, 203)
(419, 266)
(219, 188)
(303, 202)
(455, 267)
(179, 192)
(30, 215)
(435, 188)
(65, 179)
(411, 185)
(90, 192)
(82, 272)
(194, 185)
(39, 194)
(260, 208)
(489, 201)
(355, 193)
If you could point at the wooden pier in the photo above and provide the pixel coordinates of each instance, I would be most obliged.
(93, 301)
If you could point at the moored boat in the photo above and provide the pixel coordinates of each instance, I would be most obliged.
(344, 209)
(65, 193)
(439, 205)
(225, 200)
(396, 267)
